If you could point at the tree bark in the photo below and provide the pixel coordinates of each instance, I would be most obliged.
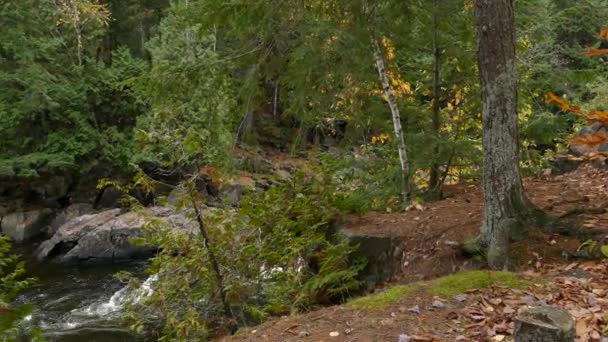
(215, 266)
(392, 104)
(434, 181)
(505, 204)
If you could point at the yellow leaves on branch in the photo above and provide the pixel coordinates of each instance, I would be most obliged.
(380, 139)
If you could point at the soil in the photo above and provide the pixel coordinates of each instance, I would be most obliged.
(430, 233)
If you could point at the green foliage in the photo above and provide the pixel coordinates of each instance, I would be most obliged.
(12, 282)
(278, 253)
(192, 118)
(60, 111)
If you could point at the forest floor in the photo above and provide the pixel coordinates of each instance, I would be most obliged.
(423, 305)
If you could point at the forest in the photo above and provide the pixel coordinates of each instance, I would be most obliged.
(304, 170)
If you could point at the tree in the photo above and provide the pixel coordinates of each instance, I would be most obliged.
(505, 204)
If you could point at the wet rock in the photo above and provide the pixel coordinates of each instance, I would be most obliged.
(22, 226)
(383, 255)
(587, 130)
(105, 236)
(544, 324)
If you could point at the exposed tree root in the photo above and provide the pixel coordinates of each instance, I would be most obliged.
(584, 210)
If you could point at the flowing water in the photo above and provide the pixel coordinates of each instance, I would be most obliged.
(80, 302)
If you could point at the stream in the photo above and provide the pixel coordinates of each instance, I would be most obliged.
(78, 302)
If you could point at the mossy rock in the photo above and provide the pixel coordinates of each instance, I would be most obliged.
(382, 299)
(465, 281)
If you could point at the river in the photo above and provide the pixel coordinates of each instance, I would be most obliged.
(77, 302)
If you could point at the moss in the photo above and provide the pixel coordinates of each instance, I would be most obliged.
(462, 282)
(387, 297)
(443, 287)
(471, 247)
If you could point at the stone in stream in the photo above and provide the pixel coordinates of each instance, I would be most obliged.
(21, 226)
(105, 236)
(544, 324)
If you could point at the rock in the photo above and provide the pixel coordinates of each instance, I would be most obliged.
(383, 255)
(600, 163)
(232, 194)
(587, 130)
(461, 298)
(563, 163)
(404, 338)
(544, 324)
(303, 334)
(437, 304)
(51, 190)
(67, 214)
(577, 273)
(581, 149)
(21, 226)
(283, 175)
(603, 147)
(105, 236)
(109, 197)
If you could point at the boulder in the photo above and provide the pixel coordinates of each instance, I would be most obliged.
(22, 226)
(563, 163)
(383, 255)
(71, 212)
(232, 194)
(108, 197)
(105, 236)
(591, 129)
(544, 324)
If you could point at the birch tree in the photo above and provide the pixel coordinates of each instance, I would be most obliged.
(392, 104)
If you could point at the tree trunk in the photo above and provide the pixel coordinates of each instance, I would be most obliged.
(434, 181)
(505, 204)
(392, 104)
(215, 266)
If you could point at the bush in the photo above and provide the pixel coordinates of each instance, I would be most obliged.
(277, 254)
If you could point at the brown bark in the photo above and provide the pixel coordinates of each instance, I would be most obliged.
(505, 204)
(434, 181)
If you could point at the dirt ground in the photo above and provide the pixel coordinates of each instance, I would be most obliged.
(430, 233)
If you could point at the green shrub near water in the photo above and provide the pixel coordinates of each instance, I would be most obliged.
(12, 282)
(277, 254)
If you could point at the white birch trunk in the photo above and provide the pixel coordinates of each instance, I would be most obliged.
(392, 103)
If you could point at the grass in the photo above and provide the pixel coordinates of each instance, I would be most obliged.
(387, 297)
(443, 287)
(462, 282)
